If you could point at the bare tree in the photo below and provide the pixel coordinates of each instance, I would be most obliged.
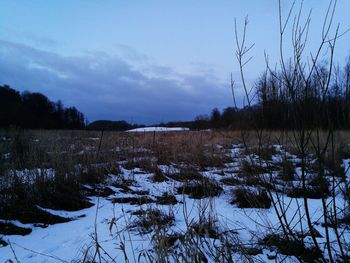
(304, 83)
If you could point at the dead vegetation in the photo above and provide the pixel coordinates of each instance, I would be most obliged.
(290, 247)
(11, 229)
(200, 189)
(90, 165)
(150, 220)
(246, 198)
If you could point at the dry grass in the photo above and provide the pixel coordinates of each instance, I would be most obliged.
(151, 219)
(292, 247)
(84, 160)
(245, 198)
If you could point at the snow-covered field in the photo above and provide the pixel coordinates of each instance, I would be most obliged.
(159, 129)
(111, 227)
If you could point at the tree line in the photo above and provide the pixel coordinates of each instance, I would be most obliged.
(112, 125)
(286, 100)
(290, 100)
(283, 100)
(36, 111)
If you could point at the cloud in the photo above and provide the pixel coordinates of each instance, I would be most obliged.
(132, 54)
(110, 87)
(29, 37)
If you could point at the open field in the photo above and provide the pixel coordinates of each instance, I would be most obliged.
(189, 196)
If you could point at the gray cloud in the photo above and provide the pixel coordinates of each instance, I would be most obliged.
(110, 87)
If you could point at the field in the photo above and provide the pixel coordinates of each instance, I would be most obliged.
(182, 196)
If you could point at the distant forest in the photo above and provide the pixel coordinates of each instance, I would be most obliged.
(282, 101)
(291, 100)
(36, 111)
(112, 125)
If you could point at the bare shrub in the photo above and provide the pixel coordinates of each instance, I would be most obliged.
(287, 172)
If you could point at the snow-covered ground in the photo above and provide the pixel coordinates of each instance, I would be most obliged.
(67, 241)
(111, 221)
(159, 129)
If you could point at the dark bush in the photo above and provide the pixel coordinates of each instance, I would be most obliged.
(166, 199)
(246, 198)
(287, 170)
(316, 188)
(292, 247)
(249, 169)
(200, 189)
(158, 176)
(230, 181)
(11, 229)
(138, 200)
(265, 152)
(166, 241)
(187, 173)
(151, 219)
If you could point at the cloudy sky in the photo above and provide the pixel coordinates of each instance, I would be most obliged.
(142, 61)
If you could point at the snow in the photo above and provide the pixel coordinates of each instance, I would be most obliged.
(69, 241)
(159, 129)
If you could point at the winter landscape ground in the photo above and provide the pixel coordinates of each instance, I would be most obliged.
(264, 180)
(181, 196)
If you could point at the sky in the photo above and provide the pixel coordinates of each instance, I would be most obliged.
(145, 61)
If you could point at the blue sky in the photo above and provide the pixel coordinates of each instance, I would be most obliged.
(143, 61)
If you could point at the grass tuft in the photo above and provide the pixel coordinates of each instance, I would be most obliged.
(246, 198)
